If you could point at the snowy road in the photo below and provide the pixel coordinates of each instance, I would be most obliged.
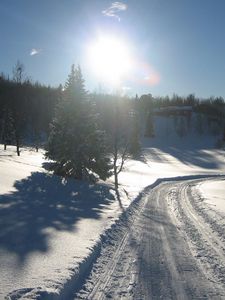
(168, 245)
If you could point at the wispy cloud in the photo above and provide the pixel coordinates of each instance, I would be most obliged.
(34, 51)
(114, 9)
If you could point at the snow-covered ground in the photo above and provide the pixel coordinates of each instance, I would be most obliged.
(50, 229)
(166, 246)
(213, 192)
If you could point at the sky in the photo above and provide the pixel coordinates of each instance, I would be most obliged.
(174, 46)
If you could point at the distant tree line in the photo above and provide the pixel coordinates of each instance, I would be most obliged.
(26, 110)
(209, 112)
(88, 135)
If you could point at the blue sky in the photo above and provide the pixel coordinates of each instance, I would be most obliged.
(180, 42)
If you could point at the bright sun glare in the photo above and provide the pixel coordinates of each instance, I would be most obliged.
(110, 59)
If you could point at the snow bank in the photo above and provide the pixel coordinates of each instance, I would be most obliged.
(51, 231)
(213, 192)
(49, 228)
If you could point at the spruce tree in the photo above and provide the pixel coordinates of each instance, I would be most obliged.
(75, 143)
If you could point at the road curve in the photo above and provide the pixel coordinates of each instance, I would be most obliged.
(165, 247)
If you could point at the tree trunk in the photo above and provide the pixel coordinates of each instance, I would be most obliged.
(5, 145)
(17, 147)
(224, 133)
(116, 179)
(79, 173)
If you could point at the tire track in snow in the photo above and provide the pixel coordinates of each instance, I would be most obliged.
(115, 263)
(100, 286)
(148, 256)
(204, 240)
(158, 277)
(168, 270)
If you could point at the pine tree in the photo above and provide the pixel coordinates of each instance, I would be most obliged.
(75, 142)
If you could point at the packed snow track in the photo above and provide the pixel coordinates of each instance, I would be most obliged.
(168, 245)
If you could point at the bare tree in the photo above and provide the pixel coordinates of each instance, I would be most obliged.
(120, 154)
(18, 72)
(119, 135)
(18, 103)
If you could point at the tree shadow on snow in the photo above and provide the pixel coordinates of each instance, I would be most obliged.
(42, 202)
(192, 157)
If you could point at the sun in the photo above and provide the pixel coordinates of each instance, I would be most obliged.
(110, 59)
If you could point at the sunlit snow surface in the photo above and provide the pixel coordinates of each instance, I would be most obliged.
(213, 192)
(47, 227)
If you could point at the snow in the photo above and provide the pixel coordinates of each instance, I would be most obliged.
(48, 227)
(16, 168)
(147, 254)
(173, 163)
(50, 230)
(213, 192)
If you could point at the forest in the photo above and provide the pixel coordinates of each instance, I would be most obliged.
(90, 135)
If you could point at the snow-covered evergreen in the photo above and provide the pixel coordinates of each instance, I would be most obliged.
(76, 143)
